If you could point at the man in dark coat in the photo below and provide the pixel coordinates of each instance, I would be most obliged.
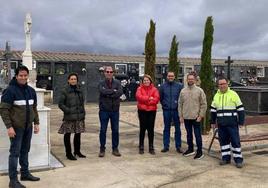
(109, 102)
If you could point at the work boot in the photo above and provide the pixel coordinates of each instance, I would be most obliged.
(239, 165)
(224, 162)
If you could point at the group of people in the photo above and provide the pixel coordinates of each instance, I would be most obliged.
(181, 105)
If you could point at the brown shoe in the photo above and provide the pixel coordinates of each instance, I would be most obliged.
(102, 153)
(151, 151)
(116, 153)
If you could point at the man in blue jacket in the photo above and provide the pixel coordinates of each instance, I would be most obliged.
(18, 110)
(169, 95)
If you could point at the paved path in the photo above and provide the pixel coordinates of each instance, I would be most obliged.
(134, 170)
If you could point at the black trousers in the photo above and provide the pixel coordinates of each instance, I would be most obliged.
(147, 119)
(76, 142)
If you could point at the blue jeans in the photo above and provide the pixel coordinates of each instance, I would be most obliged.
(189, 125)
(104, 120)
(19, 149)
(169, 116)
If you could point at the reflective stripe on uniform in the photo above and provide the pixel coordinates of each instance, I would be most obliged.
(237, 155)
(225, 147)
(227, 108)
(225, 153)
(240, 109)
(236, 149)
(226, 114)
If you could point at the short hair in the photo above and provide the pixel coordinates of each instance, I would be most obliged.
(21, 68)
(73, 74)
(147, 76)
(192, 74)
(222, 78)
(170, 72)
(105, 68)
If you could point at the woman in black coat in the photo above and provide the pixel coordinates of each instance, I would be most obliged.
(72, 104)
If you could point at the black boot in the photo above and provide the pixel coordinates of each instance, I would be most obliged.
(151, 145)
(151, 150)
(77, 143)
(68, 148)
(141, 149)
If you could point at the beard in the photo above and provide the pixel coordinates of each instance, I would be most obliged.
(190, 83)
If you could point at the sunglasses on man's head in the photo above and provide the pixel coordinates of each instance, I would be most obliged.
(109, 72)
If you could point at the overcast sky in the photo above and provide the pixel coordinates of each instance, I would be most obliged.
(119, 26)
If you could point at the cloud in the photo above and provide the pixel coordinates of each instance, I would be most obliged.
(119, 27)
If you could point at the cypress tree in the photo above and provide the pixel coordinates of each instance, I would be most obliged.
(173, 57)
(150, 51)
(206, 72)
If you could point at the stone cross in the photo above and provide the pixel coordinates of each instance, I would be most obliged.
(27, 29)
(229, 61)
(27, 57)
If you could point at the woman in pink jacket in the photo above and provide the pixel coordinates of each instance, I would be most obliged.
(147, 96)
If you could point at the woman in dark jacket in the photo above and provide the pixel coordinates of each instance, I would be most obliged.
(72, 104)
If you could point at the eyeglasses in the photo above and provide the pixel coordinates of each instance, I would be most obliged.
(109, 72)
(222, 84)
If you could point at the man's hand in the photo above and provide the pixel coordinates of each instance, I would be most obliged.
(36, 129)
(198, 119)
(214, 126)
(11, 132)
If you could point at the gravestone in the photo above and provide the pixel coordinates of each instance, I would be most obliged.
(254, 99)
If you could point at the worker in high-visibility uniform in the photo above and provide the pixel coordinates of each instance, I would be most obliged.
(227, 113)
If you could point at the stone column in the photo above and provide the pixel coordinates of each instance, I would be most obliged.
(27, 57)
